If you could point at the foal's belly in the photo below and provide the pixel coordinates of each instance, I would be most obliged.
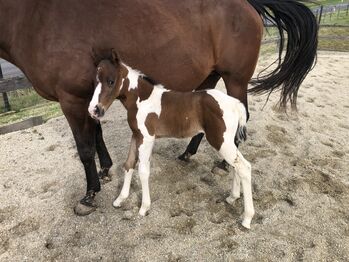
(179, 126)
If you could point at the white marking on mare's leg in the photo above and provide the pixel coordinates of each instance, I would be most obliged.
(145, 151)
(125, 191)
(95, 99)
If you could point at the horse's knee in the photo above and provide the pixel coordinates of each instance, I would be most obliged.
(86, 154)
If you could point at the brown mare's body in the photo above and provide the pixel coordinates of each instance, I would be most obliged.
(177, 43)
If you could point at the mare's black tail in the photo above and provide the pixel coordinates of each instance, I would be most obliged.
(297, 20)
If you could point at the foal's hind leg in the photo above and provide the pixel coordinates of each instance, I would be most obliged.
(129, 167)
(235, 192)
(209, 83)
(243, 170)
(103, 155)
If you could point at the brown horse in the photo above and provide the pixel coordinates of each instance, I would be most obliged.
(182, 44)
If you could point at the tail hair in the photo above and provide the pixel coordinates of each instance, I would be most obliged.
(241, 133)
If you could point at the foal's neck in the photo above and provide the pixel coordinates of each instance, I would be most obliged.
(135, 88)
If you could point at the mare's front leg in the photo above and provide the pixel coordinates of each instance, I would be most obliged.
(84, 132)
(103, 155)
(144, 151)
(129, 167)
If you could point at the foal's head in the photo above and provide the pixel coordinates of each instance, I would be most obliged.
(110, 78)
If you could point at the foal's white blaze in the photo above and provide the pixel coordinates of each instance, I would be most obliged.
(95, 100)
(133, 76)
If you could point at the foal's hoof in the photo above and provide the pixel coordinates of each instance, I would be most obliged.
(104, 175)
(87, 205)
(185, 157)
(221, 168)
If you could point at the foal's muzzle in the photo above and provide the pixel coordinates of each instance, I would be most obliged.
(98, 112)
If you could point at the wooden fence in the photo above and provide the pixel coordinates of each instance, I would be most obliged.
(11, 84)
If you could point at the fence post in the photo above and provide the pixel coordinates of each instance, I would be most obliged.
(4, 95)
(320, 16)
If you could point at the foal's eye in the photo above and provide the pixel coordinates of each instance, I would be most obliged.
(111, 83)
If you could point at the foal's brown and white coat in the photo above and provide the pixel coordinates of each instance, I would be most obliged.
(153, 112)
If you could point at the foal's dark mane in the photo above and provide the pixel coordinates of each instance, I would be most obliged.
(149, 80)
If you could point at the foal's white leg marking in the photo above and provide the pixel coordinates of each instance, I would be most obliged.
(145, 151)
(243, 168)
(151, 105)
(125, 188)
(235, 193)
(231, 108)
(95, 99)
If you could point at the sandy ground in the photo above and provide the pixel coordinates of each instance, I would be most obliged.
(300, 187)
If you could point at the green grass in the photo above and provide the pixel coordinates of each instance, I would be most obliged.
(22, 99)
(27, 103)
(335, 19)
(47, 111)
(327, 2)
(330, 38)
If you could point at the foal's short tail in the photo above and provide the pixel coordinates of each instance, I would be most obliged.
(241, 134)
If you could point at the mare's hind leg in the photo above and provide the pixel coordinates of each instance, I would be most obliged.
(129, 167)
(84, 132)
(209, 83)
(103, 155)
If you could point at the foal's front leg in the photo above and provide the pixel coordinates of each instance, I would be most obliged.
(145, 150)
(129, 167)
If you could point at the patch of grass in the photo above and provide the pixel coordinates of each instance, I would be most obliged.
(21, 99)
(27, 103)
(335, 18)
(332, 38)
(47, 110)
(325, 2)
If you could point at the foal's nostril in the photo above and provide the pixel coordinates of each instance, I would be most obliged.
(99, 111)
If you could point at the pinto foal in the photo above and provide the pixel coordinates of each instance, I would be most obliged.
(154, 112)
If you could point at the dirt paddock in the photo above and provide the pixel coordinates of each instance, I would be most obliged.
(300, 186)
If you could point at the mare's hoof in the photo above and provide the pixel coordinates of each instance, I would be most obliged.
(104, 176)
(221, 168)
(185, 157)
(83, 210)
(87, 205)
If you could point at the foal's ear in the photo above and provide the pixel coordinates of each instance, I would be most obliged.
(115, 56)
